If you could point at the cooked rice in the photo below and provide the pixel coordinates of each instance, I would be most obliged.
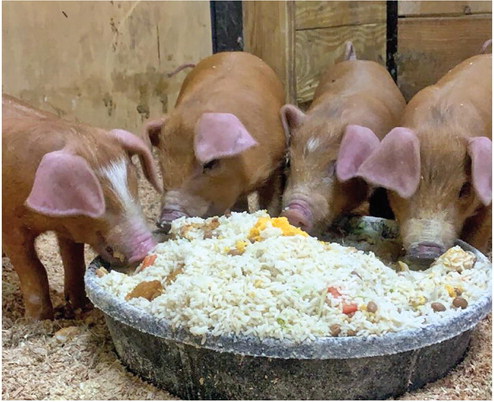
(276, 283)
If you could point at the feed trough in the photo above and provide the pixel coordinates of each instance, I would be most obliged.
(245, 367)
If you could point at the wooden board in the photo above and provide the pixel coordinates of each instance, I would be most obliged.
(324, 14)
(102, 62)
(429, 47)
(316, 49)
(269, 34)
(424, 8)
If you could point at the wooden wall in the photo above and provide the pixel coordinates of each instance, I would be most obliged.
(102, 62)
(300, 39)
(434, 36)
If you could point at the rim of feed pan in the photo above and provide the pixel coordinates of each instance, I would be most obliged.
(321, 348)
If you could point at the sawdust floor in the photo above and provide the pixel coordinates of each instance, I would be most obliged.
(75, 358)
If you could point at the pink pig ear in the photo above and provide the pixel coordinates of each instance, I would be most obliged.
(65, 185)
(135, 145)
(395, 163)
(480, 151)
(357, 144)
(220, 135)
(291, 118)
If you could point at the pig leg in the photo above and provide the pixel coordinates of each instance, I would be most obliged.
(270, 193)
(19, 246)
(74, 268)
(253, 202)
(477, 229)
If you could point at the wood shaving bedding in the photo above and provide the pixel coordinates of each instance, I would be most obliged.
(36, 365)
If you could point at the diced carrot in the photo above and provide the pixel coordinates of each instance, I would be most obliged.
(148, 260)
(334, 291)
(349, 308)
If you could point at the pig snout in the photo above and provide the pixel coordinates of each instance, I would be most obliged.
(425, 252)
(141, 249)
(125, 246)
(168, 216)
(299, 214)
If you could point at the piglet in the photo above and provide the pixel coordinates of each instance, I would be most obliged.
(437, 165)
(78, 181)
(223, 140)
(354, 106)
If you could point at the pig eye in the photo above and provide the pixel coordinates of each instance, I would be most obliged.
(109, 250)
(210, 165)
(466, 190)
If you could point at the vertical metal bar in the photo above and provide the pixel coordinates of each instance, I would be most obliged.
(391, 37)
(226, 25)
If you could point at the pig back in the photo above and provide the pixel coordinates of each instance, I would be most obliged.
(462, 97)
(365, 92)
(242, 84)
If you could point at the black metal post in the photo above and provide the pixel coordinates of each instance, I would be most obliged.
(226, 25)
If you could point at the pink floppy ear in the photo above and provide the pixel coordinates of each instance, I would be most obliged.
(395, 163)
(357, 144)
(291, 118)
(65, 185)
(135, 145)
(480, 151)
(219, 135)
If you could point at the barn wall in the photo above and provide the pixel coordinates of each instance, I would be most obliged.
(435, 36)
(300, 39)
(104, 63)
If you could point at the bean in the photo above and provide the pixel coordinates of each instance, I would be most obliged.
(335, 329)
(436, 306)
(371, 307)
(460, 302)
(351, 332)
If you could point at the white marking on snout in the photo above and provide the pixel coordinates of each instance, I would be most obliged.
(312, 144)
(116, 174)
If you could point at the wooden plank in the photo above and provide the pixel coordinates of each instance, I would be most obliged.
(319, 48)
(429, 8)
(269, 34)
(324, 14)
(429, 47)
(102, 62)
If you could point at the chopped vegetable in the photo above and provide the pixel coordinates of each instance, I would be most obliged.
(334, 292)
(148, 261)
(349, 308)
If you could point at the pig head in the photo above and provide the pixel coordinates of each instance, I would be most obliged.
(435, 187)
(437, 166)
(208, 180)
(97, 204)
(354, 106)
(223, 140)
(75, 180)
(319, 186)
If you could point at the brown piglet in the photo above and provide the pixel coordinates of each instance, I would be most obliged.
(354, 106)
(437, 165)
(223, 140)
(77, 181)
